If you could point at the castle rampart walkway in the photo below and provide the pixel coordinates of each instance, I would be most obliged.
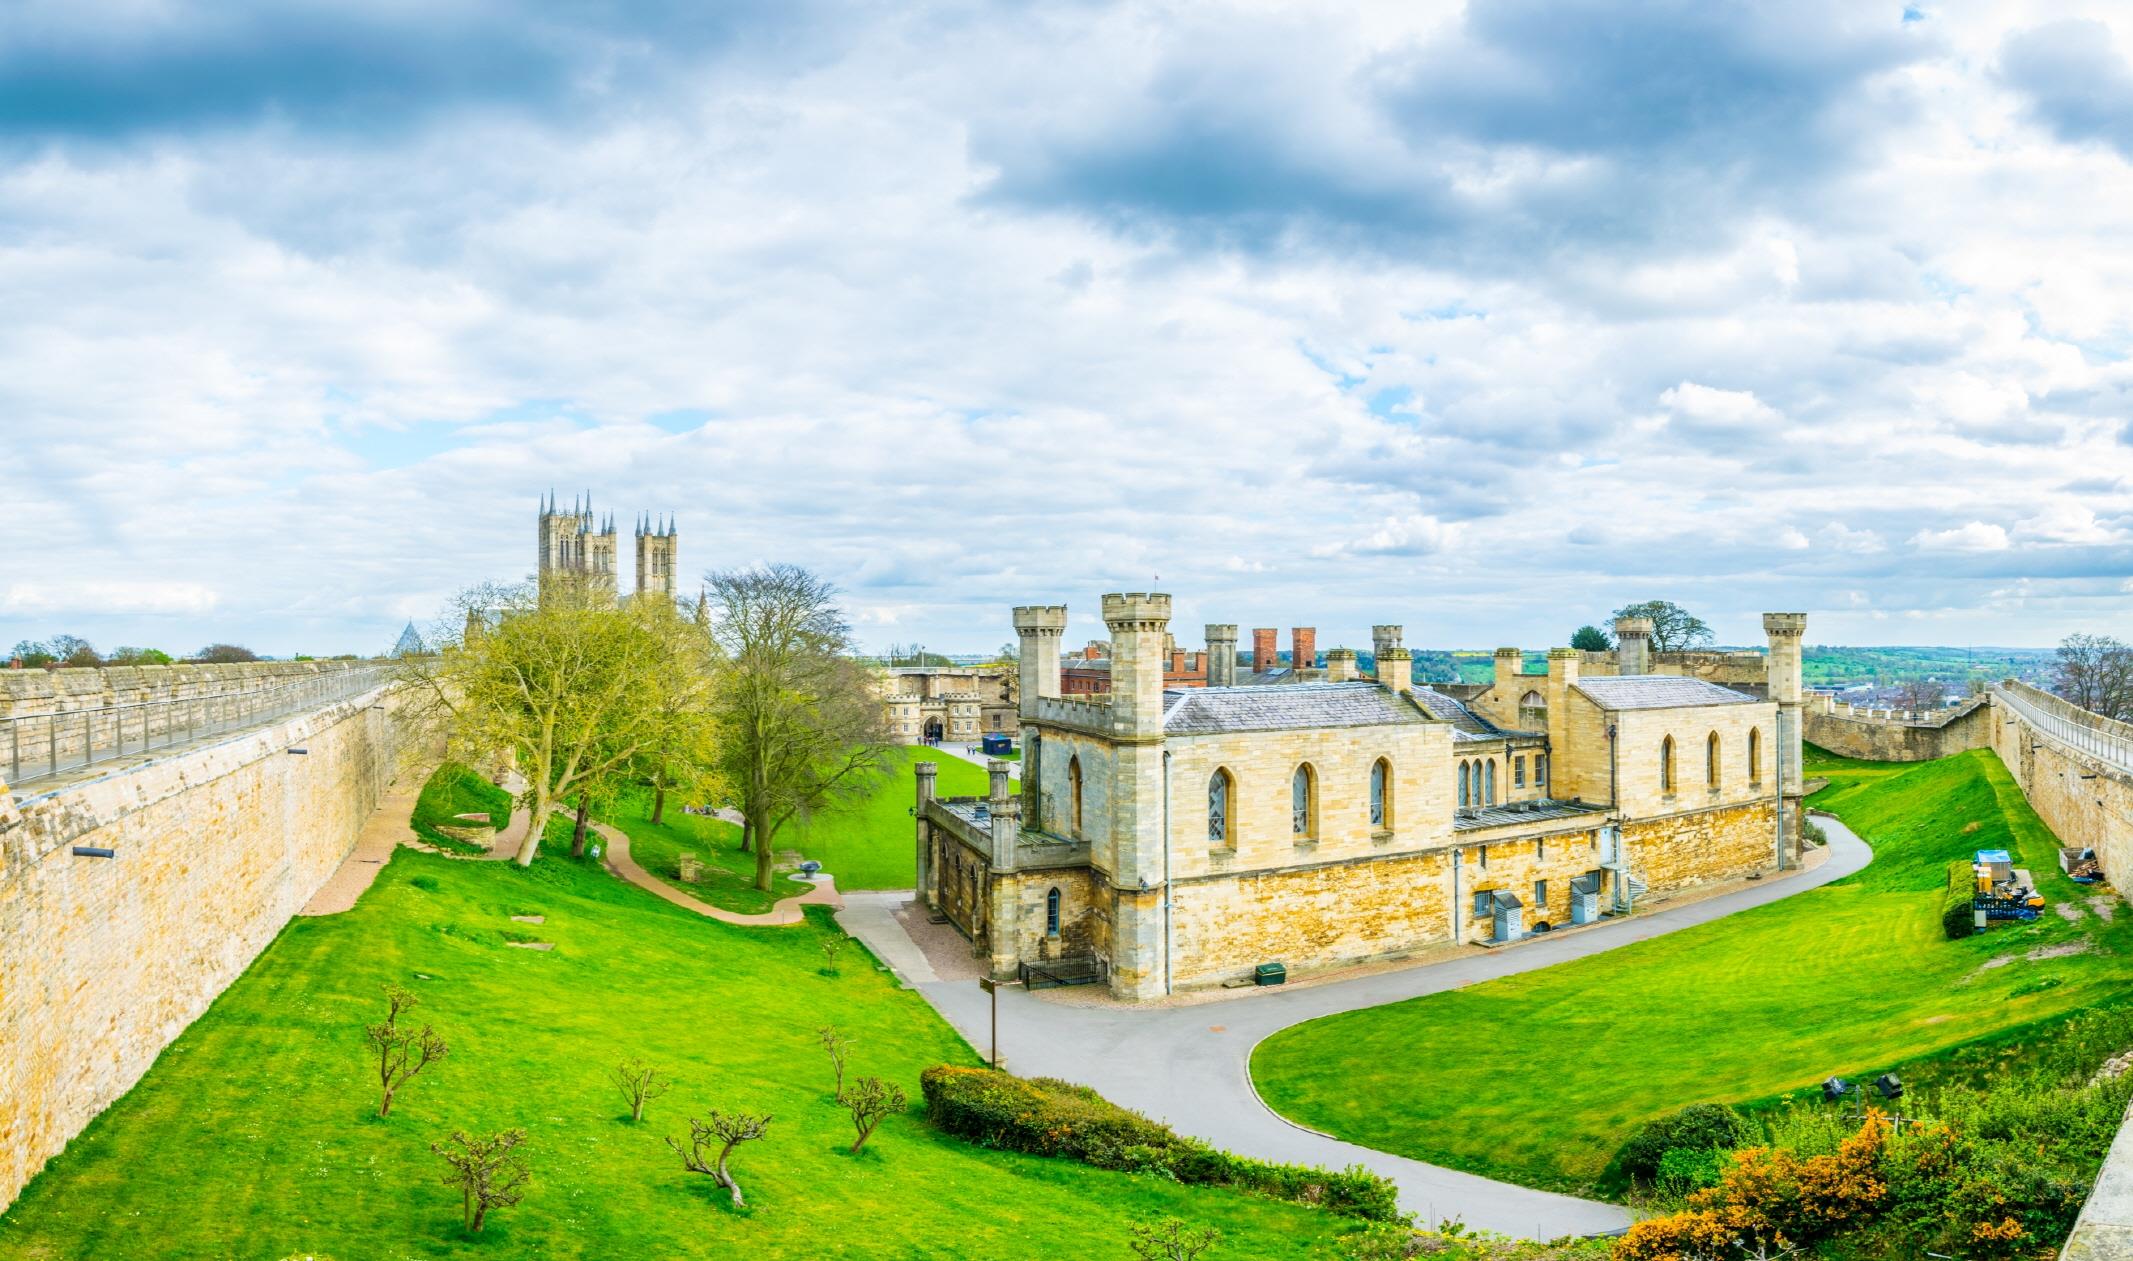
(1190, 1065)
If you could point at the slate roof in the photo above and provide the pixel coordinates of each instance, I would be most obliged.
(1215, 710)
(1467, 725)
(1658, 691)
(1519, 812)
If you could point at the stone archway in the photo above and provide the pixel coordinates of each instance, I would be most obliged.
(934, 731)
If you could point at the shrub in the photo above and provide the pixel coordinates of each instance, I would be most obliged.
(1812, 833)
(1700, 1127)
(1043, 1116)
(1956, 917)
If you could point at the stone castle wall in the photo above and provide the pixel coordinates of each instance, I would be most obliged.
(27, 692)
(2085, 800)
(145, 705)
(104, 961)
(1886, 736)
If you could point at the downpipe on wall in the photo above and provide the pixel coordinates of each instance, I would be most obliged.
(1166, 872)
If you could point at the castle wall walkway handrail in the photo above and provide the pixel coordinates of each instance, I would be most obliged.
(2105, 746)
(39, 746)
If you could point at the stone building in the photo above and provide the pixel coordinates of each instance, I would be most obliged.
(1174, 838)
(939, 704)
(577, 544)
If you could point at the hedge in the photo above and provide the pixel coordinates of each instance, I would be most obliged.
(1043, 1116)
(1956, 917)
(1698, 1128)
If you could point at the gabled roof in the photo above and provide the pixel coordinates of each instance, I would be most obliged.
(1467, 725)
(1214, 710)
(1658, 691)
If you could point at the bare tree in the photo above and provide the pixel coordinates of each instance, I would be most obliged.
(1171, 1240)
(639, 1082)
(223, 654)
(871, 1100)
(801, 726)
(402, 1052)
(727, 1132)
(487, 1171)
(830, 946)
(1674, 628)
(838, 1046)
(1917, 693)
(2096, 673)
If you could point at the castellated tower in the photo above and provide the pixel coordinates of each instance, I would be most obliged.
(573, 544)
(658, 550)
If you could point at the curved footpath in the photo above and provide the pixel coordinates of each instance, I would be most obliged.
(1190, 1065)
(786, 911)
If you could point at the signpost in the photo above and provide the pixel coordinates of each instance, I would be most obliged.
(992, 990)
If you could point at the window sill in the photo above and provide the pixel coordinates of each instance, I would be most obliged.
(1381, 836)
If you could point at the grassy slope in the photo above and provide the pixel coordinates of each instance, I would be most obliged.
(870, 844)
(1538, 1078)
(451, 790)
(730, 880)
(254, 1136)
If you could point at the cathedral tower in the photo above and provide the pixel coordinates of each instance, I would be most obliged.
(574, 544)
(658, 549)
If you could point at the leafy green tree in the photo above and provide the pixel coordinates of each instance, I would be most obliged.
(126, 656)
(34, 655)
(1674, 628)
(1589, 638)
(225, 654)
(800, 724)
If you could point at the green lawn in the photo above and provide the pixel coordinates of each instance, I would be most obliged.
(454, 789)
(871, 843)
(1538, 1078)
(255, 1136)
(728, 881)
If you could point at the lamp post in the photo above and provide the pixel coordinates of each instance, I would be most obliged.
(992, 991)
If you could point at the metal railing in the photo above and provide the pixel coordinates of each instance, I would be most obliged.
(2105, 746)
(39, 746)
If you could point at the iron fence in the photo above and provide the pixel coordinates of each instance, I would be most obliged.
(2105, 746)
(39, 746)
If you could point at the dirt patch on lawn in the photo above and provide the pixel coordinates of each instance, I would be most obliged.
(2105, 906)
(2068, 911)
(2059, 951)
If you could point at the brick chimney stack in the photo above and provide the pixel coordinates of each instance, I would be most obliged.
(1263, 648)
(1303, 647)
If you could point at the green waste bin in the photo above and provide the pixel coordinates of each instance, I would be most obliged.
(1270, 974)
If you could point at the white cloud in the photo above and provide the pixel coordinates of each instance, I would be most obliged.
(92, 596)
(1839, 537)
(1972, 536)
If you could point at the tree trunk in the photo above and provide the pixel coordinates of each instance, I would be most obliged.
(577, 837)
(726, 1179)
(532, 844)
(747, 832)
(659, 804)
(763, 839)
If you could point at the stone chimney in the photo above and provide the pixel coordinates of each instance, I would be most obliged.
(1341, 666)
(1263, 648)
(1303, 647)
(1222, 655)
(1396, 665)
(1509, 663)
(926, 773)
(1138, 622)
(1039, 628)
(1633, 645)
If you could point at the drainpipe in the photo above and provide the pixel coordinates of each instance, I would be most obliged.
(1456, 852)
(1166, 871)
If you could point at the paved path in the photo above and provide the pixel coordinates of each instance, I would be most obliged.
(1189, 1065)
(618, 860)
(385, 828)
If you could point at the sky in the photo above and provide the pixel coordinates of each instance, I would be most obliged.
(1482, 319)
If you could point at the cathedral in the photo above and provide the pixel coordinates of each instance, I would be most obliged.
(574, 542)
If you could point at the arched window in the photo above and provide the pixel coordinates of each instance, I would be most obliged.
(1381, 794)
(1303, 802)
(1465, 796)
(1218, 795)
(1533, 700)
(1710, 760)
(1666, 765)
(1488, 788)
(1051, 913)
(1755, 755)
(1074, 793)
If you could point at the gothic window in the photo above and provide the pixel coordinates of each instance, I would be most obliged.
(1380, 795)
(1074, 794)
(1666, 765)
(1755, 755)
(1710, 760)
(1218, 795)
(1488, 790)
(1303, 803)
(1533, 700)
(1051, 913)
